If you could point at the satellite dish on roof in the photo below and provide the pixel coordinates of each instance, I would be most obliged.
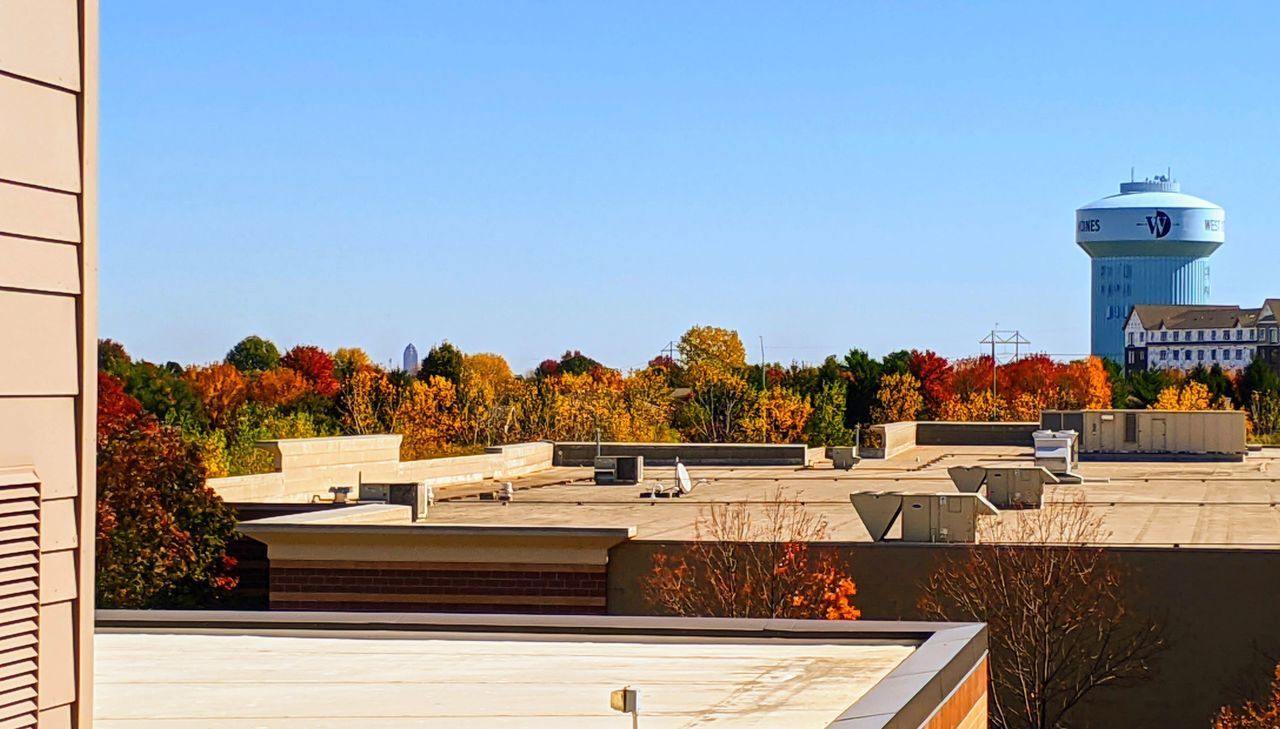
(683, 482)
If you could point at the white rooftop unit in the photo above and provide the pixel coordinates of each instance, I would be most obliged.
(1057, 451)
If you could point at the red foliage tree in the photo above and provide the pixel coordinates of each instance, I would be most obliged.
(315, 365)
(1036, 375)
(162, 534)
(933, 371)
(970, 375)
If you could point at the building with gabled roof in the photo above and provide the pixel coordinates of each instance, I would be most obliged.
(1185, 337)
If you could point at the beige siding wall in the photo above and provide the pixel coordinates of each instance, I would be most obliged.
(48, 304)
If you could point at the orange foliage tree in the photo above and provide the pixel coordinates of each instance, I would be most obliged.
(754, 562)
(1086, 385)
(220, 388)
(279, 387)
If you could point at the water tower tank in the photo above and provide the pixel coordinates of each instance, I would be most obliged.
(1150, 245)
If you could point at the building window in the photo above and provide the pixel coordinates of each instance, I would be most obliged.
(1128, 270)
(1130, 339)
(1187, 355)
(1164, 354)
(1142, 336)
(1164, 336)
(1175, 336)
(1239, 354)
(1200, 335)
(1213, 335)
(1273, 335)
(1239, 334)
(1226, 333)
(1200, 355)
(1213, 354)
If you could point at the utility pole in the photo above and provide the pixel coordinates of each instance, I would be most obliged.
(762, 384)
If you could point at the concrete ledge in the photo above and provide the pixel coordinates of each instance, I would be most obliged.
(691, 454)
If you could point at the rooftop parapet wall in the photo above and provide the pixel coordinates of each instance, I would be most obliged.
(690, 454)
(308, 468)
(898, 438)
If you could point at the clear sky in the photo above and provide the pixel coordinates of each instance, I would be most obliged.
(526, 178)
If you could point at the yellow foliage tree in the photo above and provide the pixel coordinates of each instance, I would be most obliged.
(367, 401)
(778, 415)
(427, 417)
(898, 399)
(349, 360)
(486, 389)
(1191, 395)
(710, 350)
(978, 406)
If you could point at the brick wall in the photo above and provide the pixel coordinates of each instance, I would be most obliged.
(438, 587)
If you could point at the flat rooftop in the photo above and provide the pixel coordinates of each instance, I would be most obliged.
(379, 679)
(1190, 504)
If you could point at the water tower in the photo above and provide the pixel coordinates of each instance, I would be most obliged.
(1150, 245)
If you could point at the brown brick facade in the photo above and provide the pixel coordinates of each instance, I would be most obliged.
(438, 587)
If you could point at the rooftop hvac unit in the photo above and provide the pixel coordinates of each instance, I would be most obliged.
(1057, 450)
(1006, 488)
(926, 518)
(619, 470)
(415, 495)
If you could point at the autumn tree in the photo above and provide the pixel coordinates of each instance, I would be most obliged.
(1086, 384)
(1190, 395)
(779, 416)
(315, 365)
(486, 389)
(1253, 715)
(367, 401)
(754, 561)
(220, 388)
(711, 348)
(349, 360)
(1060, 625)
(934, 374)
(281, 387)
(898, 399)
(444, 361)
(714, 360)
(162, 535)
(427, 417)
(254, 354)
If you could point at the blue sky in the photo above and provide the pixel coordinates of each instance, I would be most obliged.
(526, 178)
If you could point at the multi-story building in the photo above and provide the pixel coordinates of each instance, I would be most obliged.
(1185, 337)
(411, 360)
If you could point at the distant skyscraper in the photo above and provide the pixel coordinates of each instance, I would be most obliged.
(411, 359)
